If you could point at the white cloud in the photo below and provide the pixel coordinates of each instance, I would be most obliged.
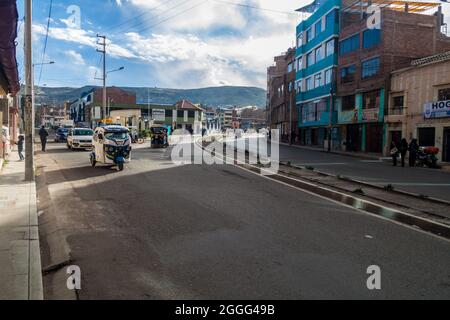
(75, 57)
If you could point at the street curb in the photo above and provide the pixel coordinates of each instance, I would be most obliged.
(394, 215)
(368, 184)
(35, 287)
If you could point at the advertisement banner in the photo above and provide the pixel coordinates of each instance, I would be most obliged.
(370, 114)
(440, 109)
(159, 114)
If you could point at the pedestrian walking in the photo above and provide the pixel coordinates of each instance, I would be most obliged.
(20, 147)
(403, 150)
(413, 150)
(43, 134)
(394, 153)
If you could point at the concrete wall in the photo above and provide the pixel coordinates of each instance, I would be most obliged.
(419, 85)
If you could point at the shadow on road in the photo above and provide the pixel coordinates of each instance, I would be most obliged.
(77, 173)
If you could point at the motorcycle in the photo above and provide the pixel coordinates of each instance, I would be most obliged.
(426, 156)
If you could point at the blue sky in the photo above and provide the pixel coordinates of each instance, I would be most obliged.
(163, 43)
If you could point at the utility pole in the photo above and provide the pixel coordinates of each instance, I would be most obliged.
(103, 44)
(29, 99)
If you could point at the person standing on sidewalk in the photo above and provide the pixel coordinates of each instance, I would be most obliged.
(394, 153)
(20, 147)
(413, 150)
(403, 150)
(43, 134)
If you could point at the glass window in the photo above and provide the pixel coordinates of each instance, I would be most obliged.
(310, 59)
(299, 86)
(348, 74)
(349, 45)
(309, 84)
(318, 27)
(318, 54)
(309, 35)
(370, 67)
(444, 94)
(371, 37)
(329, 48)
(299, 63)
(328, 74)
(371, 100)
(86, 132)
(317, 80)
(348, 103)
(299, 40)
(330, 20)
(290, 67)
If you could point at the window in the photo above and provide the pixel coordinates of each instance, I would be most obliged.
(330, 20)
(309, 35)
(310, 59)
(370, 68)
(309, 84)
(444, 94)
(397, 105)
(426, 137)
(348, 45)
(290, 87)
(371, 100)
(348, 103)
(328, 74)
(299, 40)
(299, 86)
(318, 54)
(371, 37)
(329, 48)
(290, 67)
(299, 63)
(317, 80)
(318, 27)
(348, 74)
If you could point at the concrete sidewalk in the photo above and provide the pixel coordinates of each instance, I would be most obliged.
(20, 259)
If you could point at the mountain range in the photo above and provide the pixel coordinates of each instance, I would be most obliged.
(211, 97)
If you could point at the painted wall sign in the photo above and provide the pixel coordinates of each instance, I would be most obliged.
(440, 109)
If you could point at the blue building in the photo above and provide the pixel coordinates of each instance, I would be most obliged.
(316, 65)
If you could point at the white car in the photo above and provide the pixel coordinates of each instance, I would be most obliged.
(79, 138)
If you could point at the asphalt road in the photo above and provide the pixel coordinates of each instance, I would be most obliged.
(159, 231)
(431, 182)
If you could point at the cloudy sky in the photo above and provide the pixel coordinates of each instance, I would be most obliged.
(163, 43)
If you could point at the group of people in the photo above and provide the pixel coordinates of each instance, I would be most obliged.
(402, 149)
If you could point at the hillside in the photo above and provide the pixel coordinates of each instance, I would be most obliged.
(213, 96)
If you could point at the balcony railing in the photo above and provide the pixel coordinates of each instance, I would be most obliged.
(396, 112)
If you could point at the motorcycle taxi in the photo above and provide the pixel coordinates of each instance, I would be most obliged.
(111, 145)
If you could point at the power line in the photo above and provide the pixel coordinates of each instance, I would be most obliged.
(255, 7)
(136, 17)
(174, 16)
(154, 16)
(46, 40)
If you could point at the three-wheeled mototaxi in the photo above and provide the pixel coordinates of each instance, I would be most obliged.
(111, 145)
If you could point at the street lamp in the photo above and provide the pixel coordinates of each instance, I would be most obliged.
(115, 70)
(43, 63)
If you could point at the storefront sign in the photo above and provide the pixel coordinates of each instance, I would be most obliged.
(159, 114)
(440, 109)
(370, 114)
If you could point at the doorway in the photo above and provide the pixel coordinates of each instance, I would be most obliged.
(446, 147)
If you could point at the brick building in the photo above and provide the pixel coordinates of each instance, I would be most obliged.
(281, 111)
(88, 109)
(368, 56)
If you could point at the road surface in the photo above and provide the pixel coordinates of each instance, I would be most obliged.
(159, 231)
